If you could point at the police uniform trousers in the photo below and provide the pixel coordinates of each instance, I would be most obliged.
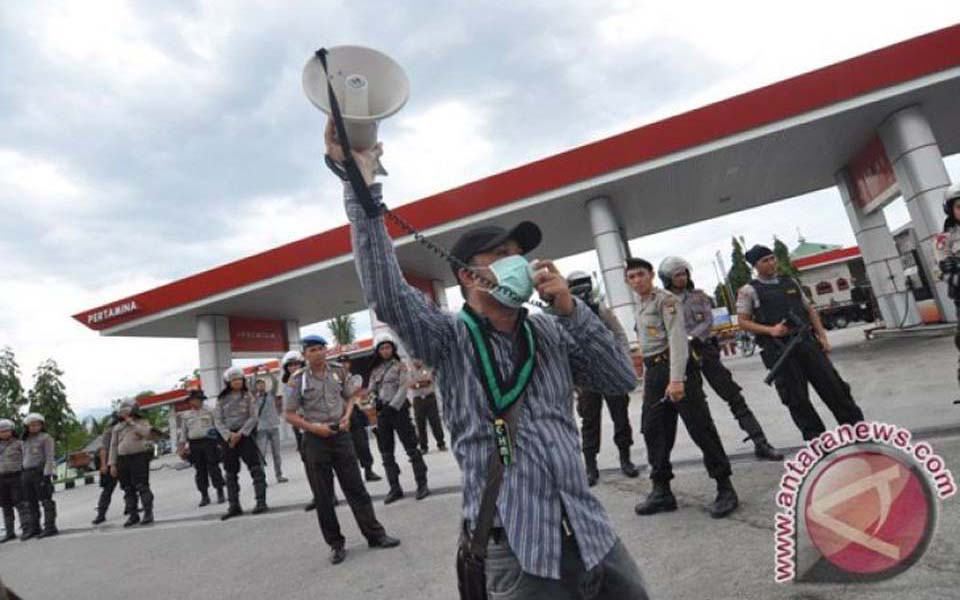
(205, 458)
(300, 437)
(134, 474)
(390, 421)
(361, 439)
(10, 498)
(425, 411)
(720, 379)
(37, 490)
(108, 483)
(335, 455)
(247, 451)
(809, 364)
(589, 405)
(658, 421)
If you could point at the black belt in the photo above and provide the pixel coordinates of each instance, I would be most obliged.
(656, 359)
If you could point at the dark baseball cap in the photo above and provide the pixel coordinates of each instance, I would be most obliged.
(487, 237)
(756, 253)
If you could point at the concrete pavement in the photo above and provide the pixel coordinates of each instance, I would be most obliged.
(189, 553)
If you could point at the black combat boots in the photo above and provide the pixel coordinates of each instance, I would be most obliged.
(726, 501)
(626, 465)
(661, 499)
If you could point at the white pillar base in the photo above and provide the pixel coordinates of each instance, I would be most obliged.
(922, 177)
(213, 337)
(612, 255)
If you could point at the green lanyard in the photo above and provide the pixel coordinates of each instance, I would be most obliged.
(500, 399)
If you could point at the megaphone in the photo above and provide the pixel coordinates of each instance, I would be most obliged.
(369, 87)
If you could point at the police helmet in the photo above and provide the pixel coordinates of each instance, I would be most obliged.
(670, 266)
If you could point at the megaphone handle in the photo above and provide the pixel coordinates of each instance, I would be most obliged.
(347, 171)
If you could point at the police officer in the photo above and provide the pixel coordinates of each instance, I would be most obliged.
(672, 386)
(319, 400)
(388, 384)
(130, 455)
(947, 252)
(11, 472)
(590, 402)
(424, 399)
(358, 428)
(698, 317)
(108, 482)
(236, 419)
(292, 362)
(197, 442)
(37, 480)
(765, 307)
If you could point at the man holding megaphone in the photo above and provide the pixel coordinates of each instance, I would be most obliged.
(531, 527)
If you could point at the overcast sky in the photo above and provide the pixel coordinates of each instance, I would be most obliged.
(143, 142)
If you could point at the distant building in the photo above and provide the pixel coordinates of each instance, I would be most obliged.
(835, 279)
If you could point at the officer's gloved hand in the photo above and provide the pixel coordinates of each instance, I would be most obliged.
(950, 264)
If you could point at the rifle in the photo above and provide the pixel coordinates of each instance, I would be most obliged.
(801, 331)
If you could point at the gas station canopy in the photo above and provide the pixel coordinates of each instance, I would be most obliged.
(776, 142)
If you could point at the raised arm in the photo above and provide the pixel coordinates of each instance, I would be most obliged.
(598, 361)
(613, 324)
(424, 329)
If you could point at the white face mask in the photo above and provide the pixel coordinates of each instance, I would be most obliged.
(514, 278)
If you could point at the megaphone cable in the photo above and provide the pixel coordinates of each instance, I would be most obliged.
(349, 171)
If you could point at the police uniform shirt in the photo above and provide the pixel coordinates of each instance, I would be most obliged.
(11, 456)
(423, 376)
(319, 397)
(748, 301)
(194, 424)
(946, 244)
(661, 327)
(236, 412)
(697, 313)
(130, 437)
(389, 383)
(38, 452)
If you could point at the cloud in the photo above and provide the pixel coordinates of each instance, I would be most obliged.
(143, 142)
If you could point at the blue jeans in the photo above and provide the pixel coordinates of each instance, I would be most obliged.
(615, 578)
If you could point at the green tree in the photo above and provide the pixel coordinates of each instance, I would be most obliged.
(76, 436)
(12, 398)
(740, 273)
(785, 266)
(342, 329)
(158, 416)
(183, 382)
(96, 426)
(720, 297)
(49, 398)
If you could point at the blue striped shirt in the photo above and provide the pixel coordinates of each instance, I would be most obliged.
(547, 476)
